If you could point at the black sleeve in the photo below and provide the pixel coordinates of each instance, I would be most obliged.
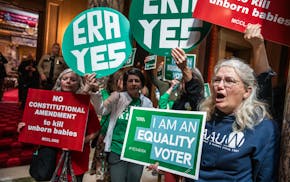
(194, 95)
(3, 59)
(264, 91)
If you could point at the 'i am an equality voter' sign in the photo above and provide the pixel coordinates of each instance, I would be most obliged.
(160, 25)
(171, 138)
(273, 15)
(56, 119)
(97, 40)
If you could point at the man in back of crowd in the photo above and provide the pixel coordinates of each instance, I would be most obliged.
(50, 66)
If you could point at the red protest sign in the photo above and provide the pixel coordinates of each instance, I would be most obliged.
(56, 119)
(274, 16)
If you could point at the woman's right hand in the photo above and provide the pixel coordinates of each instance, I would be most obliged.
(180, 58)
(20, 126)
(174, 82)
(147, 58)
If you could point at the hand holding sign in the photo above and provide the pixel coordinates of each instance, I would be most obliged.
(91, 83)
(56, 119)
(253, 35)
(181, 61)
(179, 57)
(20, 126)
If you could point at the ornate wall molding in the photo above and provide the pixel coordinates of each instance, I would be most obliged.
(51, 26)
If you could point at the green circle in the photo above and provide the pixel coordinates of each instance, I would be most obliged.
(97, 40)
(156, 25)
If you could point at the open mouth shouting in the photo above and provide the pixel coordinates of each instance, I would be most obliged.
(219, 97)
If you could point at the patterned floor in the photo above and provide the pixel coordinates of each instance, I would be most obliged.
(12, 152)
(10, 95)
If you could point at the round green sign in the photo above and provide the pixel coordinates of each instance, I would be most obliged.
(160, 25)
(97, 40)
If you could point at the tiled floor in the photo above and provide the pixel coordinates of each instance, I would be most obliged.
(21, 174)
(13, 173)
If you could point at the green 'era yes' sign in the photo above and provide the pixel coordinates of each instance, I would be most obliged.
(160, 25)
(97, 40)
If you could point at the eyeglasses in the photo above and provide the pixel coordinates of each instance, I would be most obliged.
(228, 81)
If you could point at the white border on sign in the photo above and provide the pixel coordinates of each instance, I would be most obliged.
(164, 65)
(195, 177)
(208, 86)
(154, 67)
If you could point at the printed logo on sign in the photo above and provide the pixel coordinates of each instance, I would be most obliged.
(160, 25)
(97, 40)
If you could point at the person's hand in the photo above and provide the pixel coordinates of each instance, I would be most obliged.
(147, 58)
(101, 138)
(91, 82)
(253, 34)
(32, 69)
(20, 126)
(120, 84)
(180, 57)
(153, 166)
(43, 77)
(174, 83)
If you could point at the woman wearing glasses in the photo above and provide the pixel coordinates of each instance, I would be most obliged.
(240, 139)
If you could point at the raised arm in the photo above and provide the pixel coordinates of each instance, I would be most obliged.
(260, 63)
(181, 61)
(161, 85)
(254, 37)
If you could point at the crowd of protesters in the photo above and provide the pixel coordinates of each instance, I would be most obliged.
(239, 103)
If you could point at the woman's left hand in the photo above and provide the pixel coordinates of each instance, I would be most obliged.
(20, 126)
(153, 166)
(253, 34)
(90, 137)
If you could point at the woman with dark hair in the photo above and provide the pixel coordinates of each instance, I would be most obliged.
(118, 105)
